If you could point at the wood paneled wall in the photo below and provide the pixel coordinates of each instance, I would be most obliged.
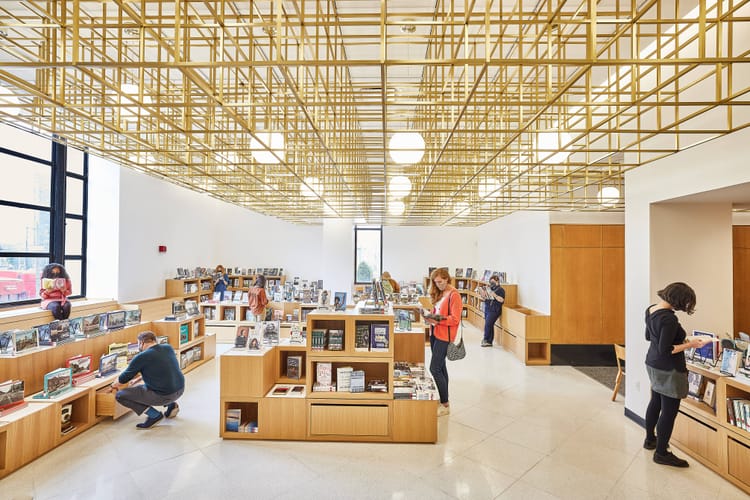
(587, 266)
(741, 281)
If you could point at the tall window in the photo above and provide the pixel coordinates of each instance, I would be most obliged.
(43, 213)
(368, 253)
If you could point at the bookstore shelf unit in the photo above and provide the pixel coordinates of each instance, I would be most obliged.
(526, 334)
(31, 431)
(248, 379)
(189, 339)
(198, 289)
(223, 318)
(705, 432)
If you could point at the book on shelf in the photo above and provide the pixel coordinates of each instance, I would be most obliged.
(469, 273)
(318, 339)
(59, 332)
(379, 337)
(243, 333)
(108, 364)
(323, 373)
(57, 382)
(162, 339)
(294, 367)
(11, 394)
(695, 385)
(24, 340)
(191, 308)
(357, 381)
(233, 418)
(344, 378)
(269, 331)
(335, 340)
(184, 334)
(133, 350)
(709, 396)
(362, 337)
(280, 390)
(730, 362)
(339, 301)
(459, 273)
(254, 341)
(229, 314)
(178, 309)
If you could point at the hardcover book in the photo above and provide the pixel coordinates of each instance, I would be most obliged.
(57, 382)
(254, 340)
(318, 339)
(379, 337)
(76, 328)
(294, 367)
(323, 373)
(709, 396)
(269, 331)
(178, 308)
(133, 350)
(344, 378)
(357, 383)
(11, 393)
(695, 385)
(132, 317)
(90, 325)
(730, 362)
(44, 334)
(121, 350)
(25, 340)
(81, 368)
(459, 273)
(469, 273)
(362, 338)
(115, 320)
(184, 334)
(335, 340)
(229, 314)
(7, 345)
(233, 418)
(487, 275)
(107, 364)
(243, 333)
(339, 301)
(191, 308)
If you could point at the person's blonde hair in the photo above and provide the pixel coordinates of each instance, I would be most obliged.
(435, 292)
(386, 275)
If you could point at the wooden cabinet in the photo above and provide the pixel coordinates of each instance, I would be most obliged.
(197, 289)
(27, 434)
(189, 339)
(247, 379)
(705, 432)
(526, 333)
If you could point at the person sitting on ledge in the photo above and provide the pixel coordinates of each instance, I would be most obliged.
(163, 381)
(55, 289)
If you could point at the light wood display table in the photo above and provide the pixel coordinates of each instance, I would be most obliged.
(247, 379)
(704, 432)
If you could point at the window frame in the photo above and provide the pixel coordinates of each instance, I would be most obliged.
(357, 229)
(57, 162)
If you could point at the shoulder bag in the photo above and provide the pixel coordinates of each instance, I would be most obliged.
(456, 348)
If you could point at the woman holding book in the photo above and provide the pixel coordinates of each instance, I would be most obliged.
(444, 320)
(55, 290)
(493, 308)
(666, 367)
(257, 299)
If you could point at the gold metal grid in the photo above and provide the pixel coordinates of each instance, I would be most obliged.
(621, 83)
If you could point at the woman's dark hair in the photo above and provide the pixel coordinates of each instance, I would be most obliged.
(260, 281)
(678, 295)
(47, 271)
(495, 277)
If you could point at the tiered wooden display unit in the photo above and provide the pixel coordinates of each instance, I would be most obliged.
(28, 433)
(246, 377)
(197, 289)
(704, 432)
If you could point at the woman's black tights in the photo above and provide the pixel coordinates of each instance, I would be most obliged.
(660, 416)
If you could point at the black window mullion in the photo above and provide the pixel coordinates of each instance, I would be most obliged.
(57, 203)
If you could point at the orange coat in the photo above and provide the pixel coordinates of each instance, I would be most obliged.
(452, 316)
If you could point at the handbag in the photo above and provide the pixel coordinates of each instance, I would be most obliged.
(455, 350)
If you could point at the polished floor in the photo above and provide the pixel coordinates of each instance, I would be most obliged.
(514, 432)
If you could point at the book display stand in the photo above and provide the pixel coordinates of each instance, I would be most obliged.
(255, 405)
(717, 435)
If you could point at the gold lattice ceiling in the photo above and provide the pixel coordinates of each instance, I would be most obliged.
(180, 88)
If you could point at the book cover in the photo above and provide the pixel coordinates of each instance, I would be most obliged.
(254, 339)
(91, 325)
(133, 317)
(184, 333)
(76, 327)
(58, 381)
(294, 367)
(695, 385)
(709, 397)
(233, 418)
(25, 340)
(323, 373)
(362, 338)
(357, 383)
(280, 391)
(11, 393)
(269, 331)
(107, 364)
(730, 362)
(343, 378)
(59, 331)
(339, 301)
(191, 308)
(115, 320)
(318, 339)
(335, 340)
(379, 337)
(243, 333)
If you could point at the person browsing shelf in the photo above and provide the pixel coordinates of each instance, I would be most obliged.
(493, 308)
(163, 381)
(666, 367)
(257, 299)
(55, 290)
(390, 285)
(221, 282)
(444, 319)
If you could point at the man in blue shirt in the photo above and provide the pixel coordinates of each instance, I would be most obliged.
(163, 381)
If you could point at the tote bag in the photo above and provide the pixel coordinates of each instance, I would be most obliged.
(456, 348)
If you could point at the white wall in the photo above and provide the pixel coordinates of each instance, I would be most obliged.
(408, 251)
(519, 244)
(692, 171)
(336, 268)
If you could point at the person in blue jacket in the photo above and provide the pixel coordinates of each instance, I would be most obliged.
(163, 381)
(493, 308)
(221, 282)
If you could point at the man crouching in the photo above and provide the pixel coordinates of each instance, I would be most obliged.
(163, 382)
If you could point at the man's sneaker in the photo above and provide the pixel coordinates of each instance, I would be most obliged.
(150, 422)
(486, 344)
(649, 444)
(443, 410)
(173, 409)
(670, 459)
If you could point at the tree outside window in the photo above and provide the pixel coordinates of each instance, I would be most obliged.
(368, 253)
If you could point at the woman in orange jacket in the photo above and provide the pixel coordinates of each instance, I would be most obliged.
(444, 319)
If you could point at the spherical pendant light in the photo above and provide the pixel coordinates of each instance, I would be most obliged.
(406, 147)
(399, 187)
(609, 196)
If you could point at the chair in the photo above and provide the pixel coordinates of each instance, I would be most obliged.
(620, 356)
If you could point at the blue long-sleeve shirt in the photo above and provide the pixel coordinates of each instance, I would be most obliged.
(492, 304)
(159, 368)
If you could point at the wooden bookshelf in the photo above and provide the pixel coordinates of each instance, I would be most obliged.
(246, 377)
(706, 434)
(526, 333)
